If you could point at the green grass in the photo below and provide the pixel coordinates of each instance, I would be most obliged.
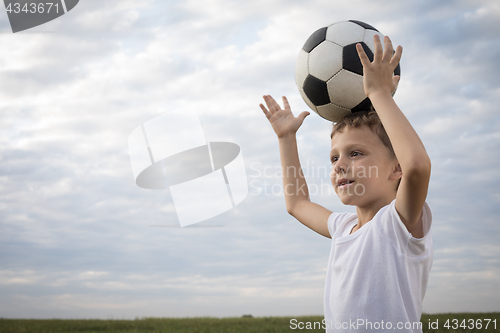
(224, 325)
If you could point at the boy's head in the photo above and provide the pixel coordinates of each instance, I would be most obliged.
(364, 165)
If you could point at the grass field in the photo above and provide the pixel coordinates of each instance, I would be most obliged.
(457, 322)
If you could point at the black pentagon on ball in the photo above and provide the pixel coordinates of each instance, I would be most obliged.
(316, 90)
(363, 24)
(315, 39)
(365, 105)
(350, 58)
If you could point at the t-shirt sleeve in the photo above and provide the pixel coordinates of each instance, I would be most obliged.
(402, 238)
(335, 221)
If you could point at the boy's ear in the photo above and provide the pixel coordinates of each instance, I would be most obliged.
(397, 173)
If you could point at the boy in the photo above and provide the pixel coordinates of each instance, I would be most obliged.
(381, 256)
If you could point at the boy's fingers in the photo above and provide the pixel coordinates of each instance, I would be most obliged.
(397, 55)
(395, 80)
(362, 55)
(267, 113)
(271, 103)
(388, 48)
(285, 103)
(378, 54)
(303, 115)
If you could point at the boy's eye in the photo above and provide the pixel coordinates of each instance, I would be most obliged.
(353, 154)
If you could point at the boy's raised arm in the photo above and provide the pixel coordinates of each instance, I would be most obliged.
(297, 200)
(379, 83)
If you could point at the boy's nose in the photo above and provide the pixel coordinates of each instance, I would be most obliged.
(340, 166)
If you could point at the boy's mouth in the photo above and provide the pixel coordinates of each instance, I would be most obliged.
(342, 183)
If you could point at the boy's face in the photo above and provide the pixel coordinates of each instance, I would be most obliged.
(363, 170)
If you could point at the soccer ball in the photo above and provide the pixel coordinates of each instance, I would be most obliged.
(328, 71)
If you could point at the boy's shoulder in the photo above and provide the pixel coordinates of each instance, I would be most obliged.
(386, 221)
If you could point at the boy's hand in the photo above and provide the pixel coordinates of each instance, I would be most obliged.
(378, 75)
(282, 120)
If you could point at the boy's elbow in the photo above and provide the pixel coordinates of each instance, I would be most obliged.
(292, 208)
(424, 164)
(420, 167)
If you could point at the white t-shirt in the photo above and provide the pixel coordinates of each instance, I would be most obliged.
(377, 276)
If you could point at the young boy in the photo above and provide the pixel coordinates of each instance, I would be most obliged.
(381, 256)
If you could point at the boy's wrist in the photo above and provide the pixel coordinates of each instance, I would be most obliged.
(380, 94)
(287, 136)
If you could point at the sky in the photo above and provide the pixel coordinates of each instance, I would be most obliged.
(78, 237)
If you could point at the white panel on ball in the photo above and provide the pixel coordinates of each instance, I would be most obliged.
(345, 33)
(368, 39)
(301, 70)
(325, 60)
(346, 89)
(333, 112)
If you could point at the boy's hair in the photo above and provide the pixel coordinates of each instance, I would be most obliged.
(364, 118)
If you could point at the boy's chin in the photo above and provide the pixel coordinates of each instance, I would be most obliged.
(348, 200)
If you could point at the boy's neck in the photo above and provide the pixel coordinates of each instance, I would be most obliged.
(366, 213)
